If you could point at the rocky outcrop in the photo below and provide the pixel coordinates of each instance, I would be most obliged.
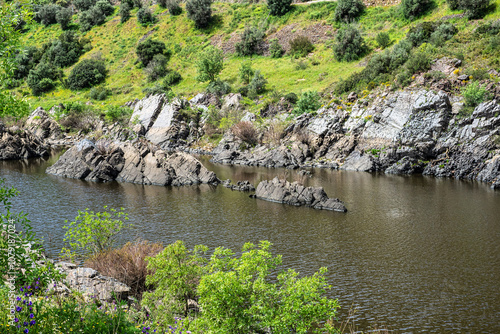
(42, 125)
(90, 283)
(16, 143)
(239, 186)
(282, 191)
(137, 162)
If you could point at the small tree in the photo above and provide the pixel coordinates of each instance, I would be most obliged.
(124, 12)
(349, 45)
(348, 10)
(475, 9)
(210, 64)
(383, 40)
(412, 9)
(300, 46)
(86, 74)
(147, 49)
(200, 11)
(92, 232)
(47, 14)
(308, 102)
(177, 272)
(145, 17)
(258, 84)
(251, 42)
(275, 49)
(279, 7)
(246, 72)
(63, 17)
(43, 78)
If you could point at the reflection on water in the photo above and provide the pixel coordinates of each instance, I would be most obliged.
(414, 253)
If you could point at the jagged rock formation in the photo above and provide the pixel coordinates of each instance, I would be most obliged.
(403, 132)
(282, 191)
(16, 143)
(130, 162)
(41, 125)
(239, 186)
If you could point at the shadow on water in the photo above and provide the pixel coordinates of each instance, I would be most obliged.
(414, 253)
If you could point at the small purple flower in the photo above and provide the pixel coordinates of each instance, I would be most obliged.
(26, 331)
(18, 299)
(19, 309)
(32, 315)
(32, 322)
(16, 320)
(21, 290)
(30, 303)
(25, 323)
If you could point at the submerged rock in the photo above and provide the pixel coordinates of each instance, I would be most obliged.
(282, 191)
(140, 163)
(240, 185)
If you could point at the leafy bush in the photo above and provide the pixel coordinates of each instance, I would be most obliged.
(237, 294)
(419, 62)
(218, 87)
(475, 9)
(43, 78)
(246, 72)
(90, 18)
(300, 46)
(149, 48)
(279, 7)
(127, 264)
(88, 73)
(275, 49)
(251, 42)
(200, 11)
(474, 94)
(443, 33)
(92, 233)
(349, 45)
(348, 10)
(84, 5)
(118, 114)
(47, 14)
(246, 132)
(412, 9)
(124, 12)
(172, 6)
(308, 102)
(99, 93)
(145, 17)
(105, 7)
(157, 67)
(400, 53)
(66, 50)
(172, 78)
(291, 98)
(404, 78)
(420, 33)
(383, 40)
(210, 64)
(177, 273)
(258, 84)
(26, 60)
(490, 28)
(63, 17)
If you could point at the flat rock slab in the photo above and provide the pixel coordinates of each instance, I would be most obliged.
(282, 191)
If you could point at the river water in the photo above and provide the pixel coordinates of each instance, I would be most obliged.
(412, 254)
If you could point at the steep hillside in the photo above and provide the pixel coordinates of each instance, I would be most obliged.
(116, 43)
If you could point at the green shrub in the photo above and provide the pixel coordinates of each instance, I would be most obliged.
(99, 93)
(83, 5)
(403, 78)
(47, 14)
(300, 46)
(66, 50)
(200, 11)
(490, 28)
(90, 18)
(258, 84)
(26, 60)
(237, 294)
(474, 94)
(475, 9)
(145, 17)
(383, 40)
(453, 4)
(115, 114)
(157, 68)
(420, 33)
(218, 87)
(124, 12)
(43, 78)
(308, 102)
(275, 49)
(349, 45)
(92, 232)
(412, 9)
(478, 73)
(419, 62)
(105, 7)
(149, 48)
(400, 53)
(63, 17)
(348, 10)
(291, 98)
(86, 74)
(210, 64)
(443, 33)
(279, 7)
(172, 78)
(172, 6)
(246, 72)
(251, 42)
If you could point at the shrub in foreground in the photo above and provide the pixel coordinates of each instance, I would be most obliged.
(200, 11)
(246, 132)
(300, 46)
(349, 45)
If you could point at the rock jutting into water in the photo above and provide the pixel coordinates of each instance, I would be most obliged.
(130, 162)
(17, 143)
(239, 186)
(282, 191)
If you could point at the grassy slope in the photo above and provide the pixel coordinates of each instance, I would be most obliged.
(116, 42)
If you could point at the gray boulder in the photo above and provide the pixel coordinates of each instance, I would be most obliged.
(282, 191)
(146, 110)
(41, 125)
(20, 144)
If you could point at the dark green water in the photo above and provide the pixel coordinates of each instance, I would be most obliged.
(414, 254)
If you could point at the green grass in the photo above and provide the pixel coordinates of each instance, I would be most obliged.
(116, 43)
